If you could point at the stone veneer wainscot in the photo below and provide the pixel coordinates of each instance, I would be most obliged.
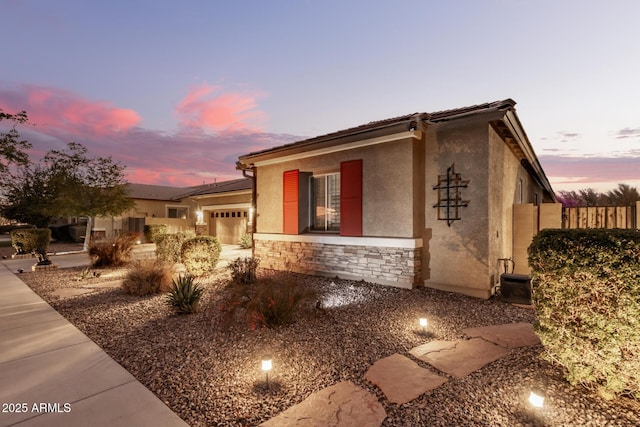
(388, 261)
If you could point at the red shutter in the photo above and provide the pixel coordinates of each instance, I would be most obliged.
(290, 202)
(351, 198)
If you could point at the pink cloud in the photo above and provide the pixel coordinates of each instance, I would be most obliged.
(186, 157)
(56, 110)
(206, 107)
(587, 172)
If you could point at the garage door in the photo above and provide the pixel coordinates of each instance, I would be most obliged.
(230, 225)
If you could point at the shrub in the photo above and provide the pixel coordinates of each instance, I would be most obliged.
(28, 240)
(246, 241)
(112, 253)
(184, 294)
(168, 246)
(243, 270)
(200, 255)
(153, 230)
(270, 301)
(586, 292)
(147, 277)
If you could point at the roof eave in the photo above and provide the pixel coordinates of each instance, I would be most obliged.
(221, 194)
(513, 123)
(335, 138)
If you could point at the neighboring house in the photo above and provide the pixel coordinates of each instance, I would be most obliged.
(425, 198)
(226, 209)
(220, 209)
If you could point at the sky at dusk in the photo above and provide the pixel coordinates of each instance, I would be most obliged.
(176, 91)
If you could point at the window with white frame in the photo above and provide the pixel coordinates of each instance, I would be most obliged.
(177, 212)
(325, 202)
(520, 194)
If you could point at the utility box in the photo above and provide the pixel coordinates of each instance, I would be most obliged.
(515, 288)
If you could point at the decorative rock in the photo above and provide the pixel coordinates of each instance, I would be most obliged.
(103, 285)
(401, 379)
(70, 292)
(459, 358)
(342, 404)
(511, 335)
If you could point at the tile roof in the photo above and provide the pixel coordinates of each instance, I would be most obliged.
(434, 117)
(222, 187)
(164, 192)
(154, 192)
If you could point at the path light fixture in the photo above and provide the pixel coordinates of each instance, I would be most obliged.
(199, 217)
(267, 364)
(423, 324)
(536, 397)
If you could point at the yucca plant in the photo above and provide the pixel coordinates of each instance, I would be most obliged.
(184, 294)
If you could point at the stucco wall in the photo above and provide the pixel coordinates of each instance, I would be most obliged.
(156, 208)
(455, 257)
(514, 213)
(387, 205)
(505, 172)
(174, 225)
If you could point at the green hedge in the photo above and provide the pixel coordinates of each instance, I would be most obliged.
(29, 239)
(586, 292)
(153, 230)
(168, 246)
(200, 255)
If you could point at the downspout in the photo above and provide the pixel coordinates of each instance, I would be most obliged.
(254, 191)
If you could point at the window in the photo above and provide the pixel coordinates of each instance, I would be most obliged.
(325, 199)
(329, 202)
(178, 212)
(520, 194)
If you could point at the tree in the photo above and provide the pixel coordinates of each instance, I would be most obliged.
(12, 149)
(28, 195)
(624, 195)
(584, 197)
(67, 183)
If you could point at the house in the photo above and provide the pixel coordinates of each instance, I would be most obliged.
(219, 209)
(421, 199)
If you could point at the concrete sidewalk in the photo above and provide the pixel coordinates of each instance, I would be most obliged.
(51, 374)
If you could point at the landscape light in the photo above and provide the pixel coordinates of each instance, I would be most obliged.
(536, 397)
(423, 324)
(267, 364)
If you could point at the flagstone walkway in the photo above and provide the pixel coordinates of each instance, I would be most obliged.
(403, 380)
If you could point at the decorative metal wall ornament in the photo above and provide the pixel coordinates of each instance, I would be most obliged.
(449, 197)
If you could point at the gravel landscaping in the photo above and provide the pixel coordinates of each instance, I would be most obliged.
(208, 370)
